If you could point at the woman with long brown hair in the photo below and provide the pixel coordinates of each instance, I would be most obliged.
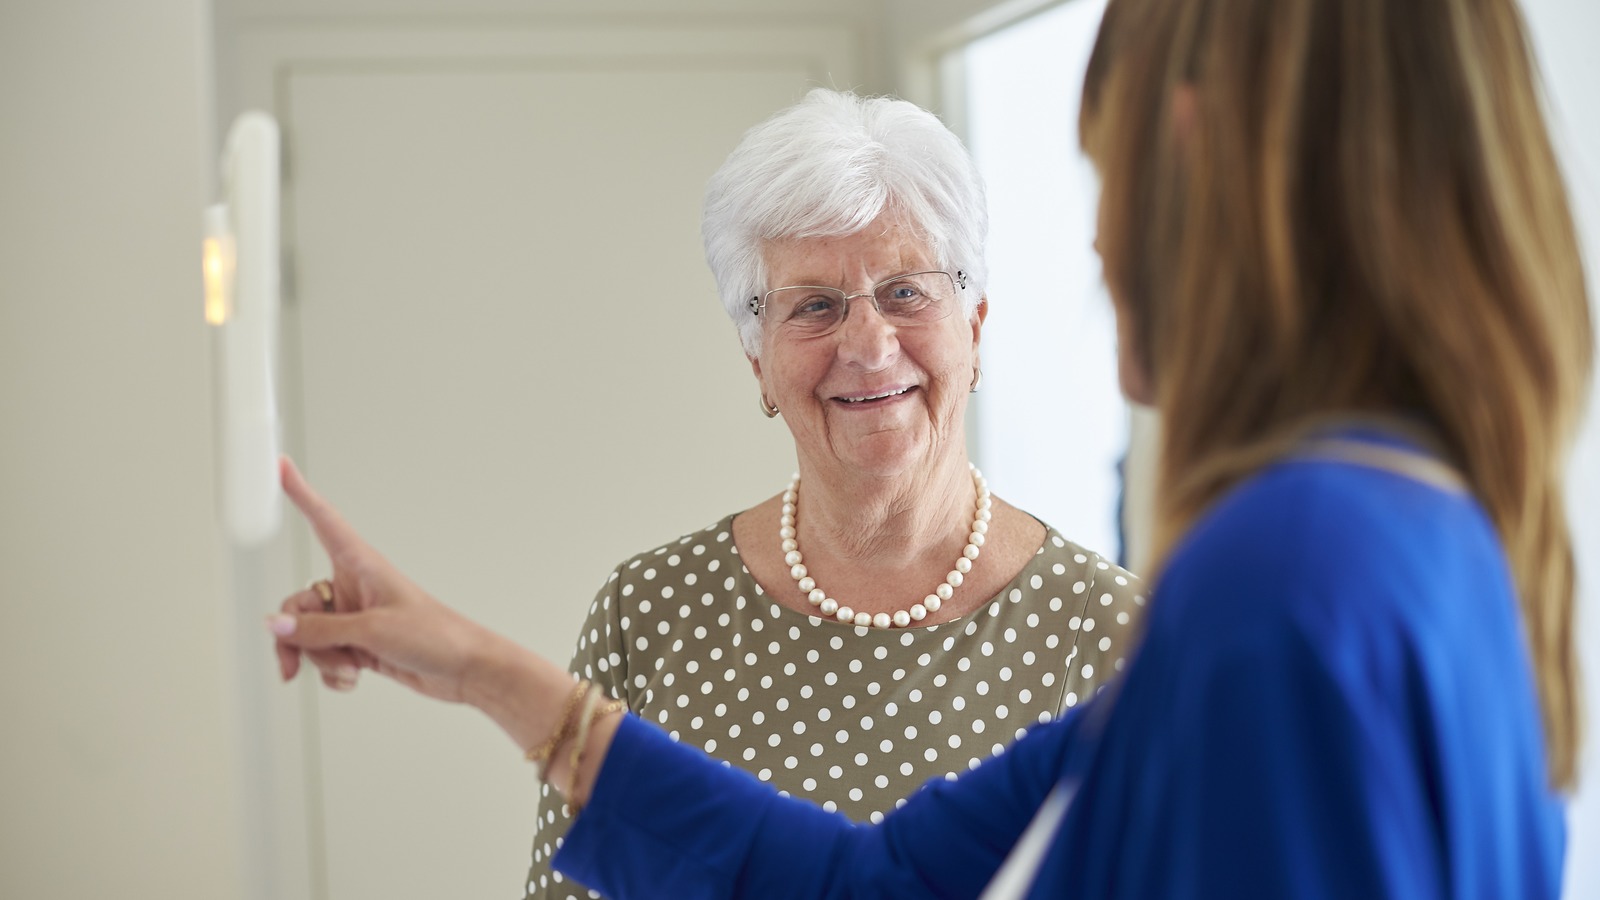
(1346, 273)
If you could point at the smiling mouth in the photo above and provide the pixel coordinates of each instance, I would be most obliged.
(886, 395)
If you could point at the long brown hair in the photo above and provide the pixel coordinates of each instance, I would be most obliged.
(1313, 207)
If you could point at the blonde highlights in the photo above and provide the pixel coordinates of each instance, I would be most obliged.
(1319, 207)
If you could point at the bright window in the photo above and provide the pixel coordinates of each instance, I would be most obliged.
(1051, 424)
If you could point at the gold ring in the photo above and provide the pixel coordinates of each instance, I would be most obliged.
(324, 589)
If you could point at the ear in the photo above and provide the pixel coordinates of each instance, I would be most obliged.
(755, 366)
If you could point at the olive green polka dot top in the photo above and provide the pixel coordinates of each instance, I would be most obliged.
(854, 719)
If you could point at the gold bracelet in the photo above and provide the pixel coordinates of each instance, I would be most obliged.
(540, 755)
(605, 709)
(585, 719)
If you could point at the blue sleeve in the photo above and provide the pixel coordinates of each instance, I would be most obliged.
(667, 820)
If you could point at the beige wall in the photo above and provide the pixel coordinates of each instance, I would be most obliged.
(115, 766)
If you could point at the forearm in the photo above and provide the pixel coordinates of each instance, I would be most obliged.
(528, 697)
(666, 820)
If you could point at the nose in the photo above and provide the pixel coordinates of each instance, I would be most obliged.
(866, 339)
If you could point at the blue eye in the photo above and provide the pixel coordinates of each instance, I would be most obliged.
(815, 306)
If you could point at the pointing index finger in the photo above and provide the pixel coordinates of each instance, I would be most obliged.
(332, 531)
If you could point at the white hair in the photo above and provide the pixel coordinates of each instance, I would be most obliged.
(827, 167)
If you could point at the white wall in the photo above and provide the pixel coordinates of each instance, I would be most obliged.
(116, 766)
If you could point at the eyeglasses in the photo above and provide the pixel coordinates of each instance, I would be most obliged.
(918, 298)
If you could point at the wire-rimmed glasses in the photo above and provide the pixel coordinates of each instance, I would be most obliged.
(808, 310)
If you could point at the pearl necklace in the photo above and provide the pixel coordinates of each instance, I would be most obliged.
(829, 606)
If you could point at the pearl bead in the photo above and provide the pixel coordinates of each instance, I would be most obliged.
(789, 540)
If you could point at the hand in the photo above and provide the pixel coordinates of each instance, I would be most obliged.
(381, 619)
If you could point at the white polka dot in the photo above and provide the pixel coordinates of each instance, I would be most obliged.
(835, 772)
(930, 754)
(1105, 644)
(1071, 699)
(1036, 582)
(882, 781)
(1088, 670)
(1055, 604)
(855, 794)
(906, 769)
(955, 741)
(911, 732)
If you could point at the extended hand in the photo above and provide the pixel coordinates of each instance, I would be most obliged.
(380, 620)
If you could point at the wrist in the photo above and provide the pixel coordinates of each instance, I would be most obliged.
(517, 689)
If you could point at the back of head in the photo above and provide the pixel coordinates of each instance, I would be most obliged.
(1318, 207)
(828, 166)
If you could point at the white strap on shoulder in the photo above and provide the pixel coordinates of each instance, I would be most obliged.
(1017, 873)
(1405, 463)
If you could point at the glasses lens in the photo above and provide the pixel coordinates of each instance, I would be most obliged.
(916, 298)
(808, 310)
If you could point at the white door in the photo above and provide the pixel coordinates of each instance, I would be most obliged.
(507, 364)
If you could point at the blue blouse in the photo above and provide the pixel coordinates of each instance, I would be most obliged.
(1333, 699)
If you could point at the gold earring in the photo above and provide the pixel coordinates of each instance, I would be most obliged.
(768, 409)
(977, 378)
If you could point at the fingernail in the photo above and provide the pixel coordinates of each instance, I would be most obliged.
(347, 673)
(281, 625)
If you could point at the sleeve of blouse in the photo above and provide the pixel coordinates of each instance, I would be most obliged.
(600, 657)
(668, 821)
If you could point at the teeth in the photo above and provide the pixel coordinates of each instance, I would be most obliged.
(877, 396)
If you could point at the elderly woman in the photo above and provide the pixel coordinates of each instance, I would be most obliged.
(1369, 336)
(884, 619)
